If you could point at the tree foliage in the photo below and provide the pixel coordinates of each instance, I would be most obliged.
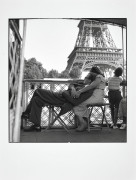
(53, 74)
(34, 70)
(75, 72)
(64, 74)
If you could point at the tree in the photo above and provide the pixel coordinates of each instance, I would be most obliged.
(44, 73)
(34, 70)
(75, 72)
(64, 74)
(53, 74)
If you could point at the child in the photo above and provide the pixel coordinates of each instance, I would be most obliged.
(114, 95)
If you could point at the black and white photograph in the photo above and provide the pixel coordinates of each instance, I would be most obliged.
(67, 90)
(68, 80)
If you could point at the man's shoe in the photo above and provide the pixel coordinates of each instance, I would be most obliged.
(32, 128)
(25, 116)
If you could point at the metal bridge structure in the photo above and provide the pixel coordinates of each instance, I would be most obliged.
(94, 46)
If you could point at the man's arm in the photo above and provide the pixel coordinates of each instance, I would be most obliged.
(72, 90)
(74, 87)
(93, 85)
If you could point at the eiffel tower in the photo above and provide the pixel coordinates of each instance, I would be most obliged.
(94, 46)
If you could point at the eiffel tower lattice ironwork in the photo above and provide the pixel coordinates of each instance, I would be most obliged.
(94, 46)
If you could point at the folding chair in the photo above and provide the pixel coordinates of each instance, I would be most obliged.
(53, 116)
(102, 107)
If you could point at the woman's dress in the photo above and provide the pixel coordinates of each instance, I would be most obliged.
(97, 97)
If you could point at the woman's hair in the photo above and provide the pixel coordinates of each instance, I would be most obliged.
(91, 76)
(96, 70)
(118, 72)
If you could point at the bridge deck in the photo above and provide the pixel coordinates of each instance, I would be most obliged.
(60, 135)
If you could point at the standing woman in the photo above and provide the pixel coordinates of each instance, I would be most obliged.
(81, 111)
(114, 95)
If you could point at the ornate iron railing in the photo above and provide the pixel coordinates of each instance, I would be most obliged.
(59, 85)
(14, 70)
(16, 66)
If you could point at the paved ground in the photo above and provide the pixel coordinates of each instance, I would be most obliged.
(59, 135)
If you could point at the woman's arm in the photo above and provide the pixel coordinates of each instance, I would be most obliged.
(78, 84)
(93, 85)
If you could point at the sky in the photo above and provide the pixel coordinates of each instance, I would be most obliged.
(51, 41)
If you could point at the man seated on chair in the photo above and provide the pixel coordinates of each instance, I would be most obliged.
(65, 100)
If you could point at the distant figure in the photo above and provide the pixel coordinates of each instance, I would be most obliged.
(123, 112)
(114, 95)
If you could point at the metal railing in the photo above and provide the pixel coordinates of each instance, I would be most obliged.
(16, 65)
(29, 86)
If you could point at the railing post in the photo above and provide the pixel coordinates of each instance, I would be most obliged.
(11, 123)
(23, 98)
(50, 115)
(50, 109)
(16, 130)
(125, 91)
(27, 94)
(23, 102)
